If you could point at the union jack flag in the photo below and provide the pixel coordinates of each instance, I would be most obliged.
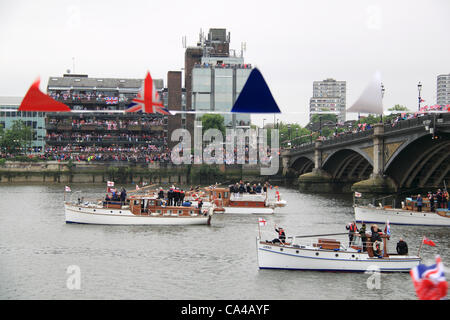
(429, 281)
(148, 100)
(112, 100)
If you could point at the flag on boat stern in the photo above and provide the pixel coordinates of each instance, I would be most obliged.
(67, 189)
(387, 228)
(428, 242)
(110, 184)
(358, 195)
(429, 281)
(262, 222)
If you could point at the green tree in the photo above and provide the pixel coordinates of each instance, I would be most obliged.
(398, 107)
(16, 139)
(213, 121)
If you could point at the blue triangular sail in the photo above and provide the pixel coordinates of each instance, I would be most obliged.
(255, 96)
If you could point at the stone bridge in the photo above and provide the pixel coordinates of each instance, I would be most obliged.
(384, 159)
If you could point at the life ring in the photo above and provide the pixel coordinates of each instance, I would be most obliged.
(377, 246)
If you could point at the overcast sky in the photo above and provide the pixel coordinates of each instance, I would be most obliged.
(293, 43)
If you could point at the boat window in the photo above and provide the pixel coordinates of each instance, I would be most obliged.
(169, 211)
(152, 203)
(158, 211)
(225, 195)
(179, 211)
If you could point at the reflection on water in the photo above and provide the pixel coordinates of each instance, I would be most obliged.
(179, 262)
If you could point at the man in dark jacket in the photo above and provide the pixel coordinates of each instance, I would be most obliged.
(402, 247)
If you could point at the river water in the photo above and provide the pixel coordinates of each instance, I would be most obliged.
(38, 251)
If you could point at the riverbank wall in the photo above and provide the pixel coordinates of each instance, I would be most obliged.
(66, 172)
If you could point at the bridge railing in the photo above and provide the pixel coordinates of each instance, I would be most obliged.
(388, 127)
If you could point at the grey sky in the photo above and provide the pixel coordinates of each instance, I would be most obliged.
(292, 42)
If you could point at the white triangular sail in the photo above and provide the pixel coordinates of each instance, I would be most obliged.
(370, 100)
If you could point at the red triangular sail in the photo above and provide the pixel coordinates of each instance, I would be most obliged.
(35, 100)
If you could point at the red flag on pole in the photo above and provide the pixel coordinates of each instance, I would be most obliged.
(428, 242)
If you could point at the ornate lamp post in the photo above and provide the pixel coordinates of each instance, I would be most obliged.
(419, 87)
(382, 96)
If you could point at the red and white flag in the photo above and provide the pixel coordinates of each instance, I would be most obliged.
(67, 189)
(358, 195)
(428, 242)
(262, 222)
(110, 184)
(137, 187)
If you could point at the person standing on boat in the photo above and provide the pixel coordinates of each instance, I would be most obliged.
(352, 229)
(375, 238)
(182, 195)
(362, 233)
(402, 247)
(439, 199)
(123, 195)
(431, 198)
(170, 196)
(161, 193)
(281, 235)
(176, 197)
(419, 203)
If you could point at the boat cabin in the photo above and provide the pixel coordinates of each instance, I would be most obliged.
(155, 207)
(222, 197)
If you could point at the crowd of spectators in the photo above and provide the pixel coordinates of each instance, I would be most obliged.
(101, 137)
(223, 65)
(150, 153)
(90, 96)
(107, 124)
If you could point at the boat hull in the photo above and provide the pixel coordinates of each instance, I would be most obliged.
(271, 256)
(105, 216)
(399, 216)
(247, 210)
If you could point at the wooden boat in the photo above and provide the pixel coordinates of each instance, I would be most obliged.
(325, 254)
(136, 210)
(407, 215)
(228, 203)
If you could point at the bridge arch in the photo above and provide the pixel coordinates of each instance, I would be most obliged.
(302, 164)
(421, 162)
(348, 165)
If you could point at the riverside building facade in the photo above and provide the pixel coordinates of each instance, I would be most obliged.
(104, 136)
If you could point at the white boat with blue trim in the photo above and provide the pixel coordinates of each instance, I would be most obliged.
(324, 254)
(136, 210)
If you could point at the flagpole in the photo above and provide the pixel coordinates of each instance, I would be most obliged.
(421, 243)
(259, 230)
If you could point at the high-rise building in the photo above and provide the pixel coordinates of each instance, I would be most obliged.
(214, 77)
(329, 95)
(443, 89)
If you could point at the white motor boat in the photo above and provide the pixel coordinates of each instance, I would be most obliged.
(137, 210)
(329, 255)
(402, 216)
